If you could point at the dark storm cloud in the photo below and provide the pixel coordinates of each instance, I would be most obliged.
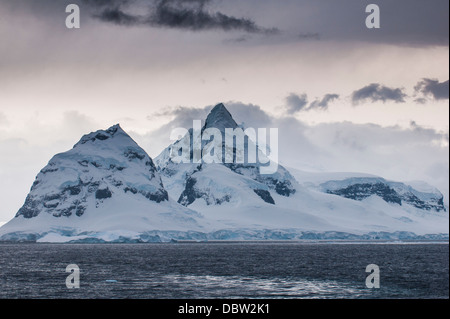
(432, 87)
(117, 16)
(177, 14)
(105, 3)
(416, 23)
(403, 22)
(376, 92)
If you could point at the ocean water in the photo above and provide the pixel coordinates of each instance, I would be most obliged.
(224, 270)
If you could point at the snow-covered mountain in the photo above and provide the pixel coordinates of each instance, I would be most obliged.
(99, 165)
(107, 189)
(238, 195)
(391, 192)
(359, 186)
(106, 184)
(216, 183)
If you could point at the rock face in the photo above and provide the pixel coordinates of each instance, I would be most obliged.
(100, 166)
(391, 192)
(189, 182)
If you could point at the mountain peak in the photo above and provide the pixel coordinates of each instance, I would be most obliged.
(218, 107)
(105, 166)
(102, 135)
(220, 118)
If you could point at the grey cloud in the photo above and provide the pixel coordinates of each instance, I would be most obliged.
(348, 141)
(249, 115)
(296, 103)
(323, 104)
(392, 152)
(420, 100)
(376, 92)
(180, 116)
(237, 40)
(75, 121)
(309, 36)
(178, 14)
(432, 87)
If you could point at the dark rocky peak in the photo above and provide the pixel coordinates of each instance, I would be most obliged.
(220, 118)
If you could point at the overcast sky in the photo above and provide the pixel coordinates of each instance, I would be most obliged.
(345, 98)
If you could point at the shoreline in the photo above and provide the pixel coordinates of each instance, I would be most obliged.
(303, 242)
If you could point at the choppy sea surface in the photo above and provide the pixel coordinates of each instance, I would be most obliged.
(224, 270)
